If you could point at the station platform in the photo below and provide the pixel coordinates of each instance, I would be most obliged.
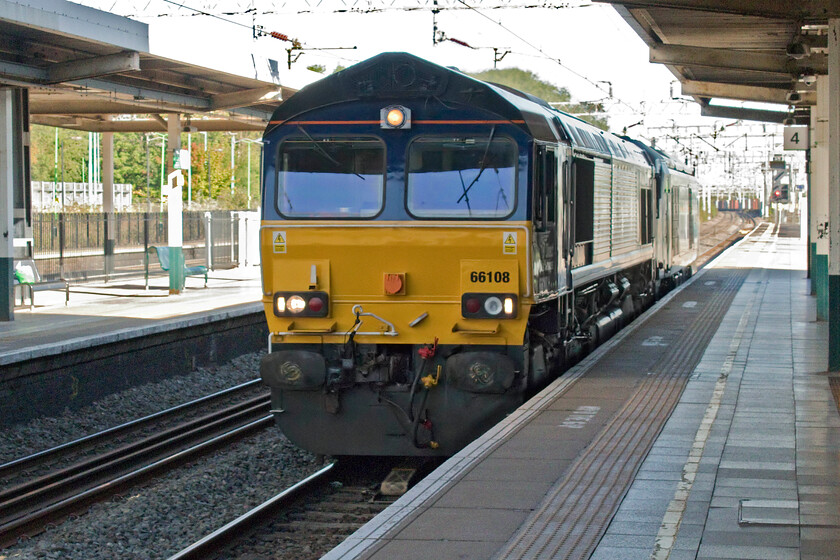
(706, 429)
(101, 313)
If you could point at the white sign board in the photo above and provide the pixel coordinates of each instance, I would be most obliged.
(796, 138)
(181, 160)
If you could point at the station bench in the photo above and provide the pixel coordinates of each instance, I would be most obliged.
(163, 260)
(26, 276)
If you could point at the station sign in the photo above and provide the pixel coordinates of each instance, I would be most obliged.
(796, 138)
(181, 159)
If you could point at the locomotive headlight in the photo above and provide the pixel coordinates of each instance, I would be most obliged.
(395, 116)
(508, 306)
(296, 304)
(302, 304)
(488, 306)
(493, 305)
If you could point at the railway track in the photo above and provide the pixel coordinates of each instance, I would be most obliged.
(717, 235)
(305, 521)
(72, 476)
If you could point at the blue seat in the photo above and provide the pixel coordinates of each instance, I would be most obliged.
(163, 259)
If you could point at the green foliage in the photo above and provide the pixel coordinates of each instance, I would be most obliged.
(47, 152)
(317, 68)
(524, 80)
(528, 82)
(137, 161)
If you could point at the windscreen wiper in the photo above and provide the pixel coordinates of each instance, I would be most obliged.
(324, 153)
(483, 165)
(464, 196)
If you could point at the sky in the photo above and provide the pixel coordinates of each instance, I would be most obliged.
(580, 48)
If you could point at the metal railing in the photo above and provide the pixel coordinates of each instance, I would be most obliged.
(73, 245)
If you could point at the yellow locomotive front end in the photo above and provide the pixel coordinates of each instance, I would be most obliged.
(393, 338)
(396, 277)
(400, 283)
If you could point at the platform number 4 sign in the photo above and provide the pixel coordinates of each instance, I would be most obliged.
(796, 138)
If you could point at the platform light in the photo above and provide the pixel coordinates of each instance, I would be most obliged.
(395, 117)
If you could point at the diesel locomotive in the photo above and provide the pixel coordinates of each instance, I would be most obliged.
(436, 248)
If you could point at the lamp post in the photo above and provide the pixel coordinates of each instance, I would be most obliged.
(207, 163)
(155, 136)
(232, 162)
(249, 142)
(61, 156)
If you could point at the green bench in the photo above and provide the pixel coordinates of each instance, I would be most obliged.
(163, 259)
(26, 276)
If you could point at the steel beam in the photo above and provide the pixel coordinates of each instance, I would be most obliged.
(86, 105)
(743, 114)
(174, 101)
(241, 98)
(743, 93)
(145, 125)
(806, 10)
(75, 20)
(93, 67)
(733, 59)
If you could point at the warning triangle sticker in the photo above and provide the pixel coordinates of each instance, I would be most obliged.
(509, 240)
(279, 238)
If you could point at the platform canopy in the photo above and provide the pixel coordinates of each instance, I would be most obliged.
(764, 51)
(90, 70)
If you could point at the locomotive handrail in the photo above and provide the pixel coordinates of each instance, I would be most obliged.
(359, 312)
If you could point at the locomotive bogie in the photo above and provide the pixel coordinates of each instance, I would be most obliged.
(387, 399)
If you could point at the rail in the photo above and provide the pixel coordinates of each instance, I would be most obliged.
(222, 537)
(27, 507)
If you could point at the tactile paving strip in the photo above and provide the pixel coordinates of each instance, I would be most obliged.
(574, 515)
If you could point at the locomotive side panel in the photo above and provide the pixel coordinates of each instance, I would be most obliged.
(625, 209)
(602, 211)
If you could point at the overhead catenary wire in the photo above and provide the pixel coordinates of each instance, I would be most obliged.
(594, 83)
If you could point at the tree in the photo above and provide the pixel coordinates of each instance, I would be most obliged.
(528, 82)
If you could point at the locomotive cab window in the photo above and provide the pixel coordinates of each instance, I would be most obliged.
(330, 177)
(465, 177)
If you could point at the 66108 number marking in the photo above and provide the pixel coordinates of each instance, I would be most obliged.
(489, 277)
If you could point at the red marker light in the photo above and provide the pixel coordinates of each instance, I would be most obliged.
(316, 304)
(473, 305)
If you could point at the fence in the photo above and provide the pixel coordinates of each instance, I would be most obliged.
(73, 245)
(47, 196)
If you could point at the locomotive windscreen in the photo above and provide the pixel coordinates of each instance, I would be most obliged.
(461, 177)
(330, 177)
